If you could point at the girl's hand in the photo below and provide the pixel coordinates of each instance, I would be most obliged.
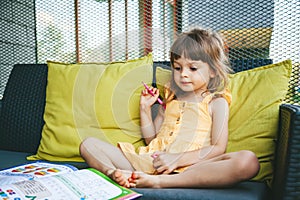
(147, 99)
(164, 163)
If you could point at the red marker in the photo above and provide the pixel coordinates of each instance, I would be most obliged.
(158, 99)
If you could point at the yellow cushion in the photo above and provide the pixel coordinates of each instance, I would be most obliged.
(163, 76)
(91, 99)
(254, 110)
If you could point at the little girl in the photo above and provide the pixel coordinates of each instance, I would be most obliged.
(186, 142)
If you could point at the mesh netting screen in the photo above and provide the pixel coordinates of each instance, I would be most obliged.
(113, 30)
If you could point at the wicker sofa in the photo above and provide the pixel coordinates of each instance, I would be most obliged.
(21, 122)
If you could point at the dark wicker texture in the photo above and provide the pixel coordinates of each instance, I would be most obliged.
(22, 109)
(239, 65)
(287, 167)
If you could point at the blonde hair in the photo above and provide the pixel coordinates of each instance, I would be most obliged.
(205, 45)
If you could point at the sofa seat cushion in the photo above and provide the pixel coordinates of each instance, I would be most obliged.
(243, 191)
(13, 158)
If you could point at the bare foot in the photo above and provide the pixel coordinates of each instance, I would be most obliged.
(143, 180)
(121, 177)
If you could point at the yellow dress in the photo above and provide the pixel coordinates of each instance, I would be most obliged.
(186, 127)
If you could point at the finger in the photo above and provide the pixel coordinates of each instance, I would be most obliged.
(156, 164)
(132, 185)
(155, 91)
(157, 153)
(131, 180)
(168, 171)
(144, 92)
(165, 170)
(161, 169)
(154, 155)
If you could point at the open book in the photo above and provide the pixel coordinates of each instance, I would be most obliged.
(47, 181)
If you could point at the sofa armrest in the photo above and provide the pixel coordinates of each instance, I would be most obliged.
(0, 106)
(0, 115)
(287, 169)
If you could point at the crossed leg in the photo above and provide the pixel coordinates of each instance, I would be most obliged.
(222, 171)
(108, 159)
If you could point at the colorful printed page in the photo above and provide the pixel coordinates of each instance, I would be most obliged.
(82, 185)
(33, 170)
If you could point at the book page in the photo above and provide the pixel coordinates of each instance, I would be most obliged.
(82, 185)
(33, 170)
